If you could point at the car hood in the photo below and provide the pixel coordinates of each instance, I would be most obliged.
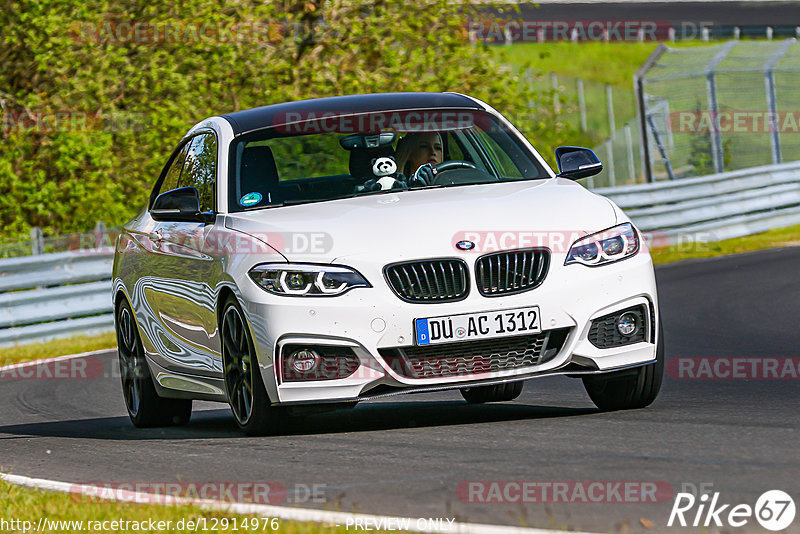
(425, 223)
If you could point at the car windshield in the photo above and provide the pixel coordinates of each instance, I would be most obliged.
(317, 157)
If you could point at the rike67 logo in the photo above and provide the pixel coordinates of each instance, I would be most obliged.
(774, 510)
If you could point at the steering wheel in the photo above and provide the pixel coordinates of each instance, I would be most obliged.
(450, 166)
(454, 164)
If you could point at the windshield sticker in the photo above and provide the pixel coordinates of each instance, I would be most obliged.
(250, 199)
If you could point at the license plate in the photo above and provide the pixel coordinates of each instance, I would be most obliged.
(472, 326)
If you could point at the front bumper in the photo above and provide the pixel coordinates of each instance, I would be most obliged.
(371, 320)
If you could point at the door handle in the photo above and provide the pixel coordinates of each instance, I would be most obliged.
(157, 236)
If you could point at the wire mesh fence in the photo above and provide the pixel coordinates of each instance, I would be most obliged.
(592, 107)
(601, 111)
(621, 155)
(718, 108)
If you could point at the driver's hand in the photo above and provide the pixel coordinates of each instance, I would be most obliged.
(423, 176)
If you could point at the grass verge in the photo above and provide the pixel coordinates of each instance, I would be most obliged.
(78, 513)
(57, 347)
(777, 238)
(612, 63)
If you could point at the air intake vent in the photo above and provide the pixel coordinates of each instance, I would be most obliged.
(467, 358)
(514, 271)
(424, 281)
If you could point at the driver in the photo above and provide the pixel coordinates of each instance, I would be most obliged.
(417, 154)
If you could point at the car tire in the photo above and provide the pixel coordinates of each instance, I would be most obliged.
(631, 389)
(146, 408)
(244, 386)
(496, 393)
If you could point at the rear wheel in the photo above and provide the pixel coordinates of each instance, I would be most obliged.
(145, 407)
(625, 390)
(496, 393)
(243, 384)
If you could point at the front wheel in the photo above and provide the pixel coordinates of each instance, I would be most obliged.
(145, 408)
(243, 384)
(496, 393)
(626, 390)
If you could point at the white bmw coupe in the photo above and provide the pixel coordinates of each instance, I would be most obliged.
(316, 254)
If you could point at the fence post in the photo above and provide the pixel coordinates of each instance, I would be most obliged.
(717, 153)
(629, 144)
(612, 178)
(582, 105)
(99, 234)
(610, 107)
(641, 105)
(716, 136)
(556, 101)
(529, 82)
(772, 101)
(661, 148)
(37, 241)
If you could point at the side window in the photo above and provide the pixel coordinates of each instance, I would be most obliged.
(173, 176)
(200, 169)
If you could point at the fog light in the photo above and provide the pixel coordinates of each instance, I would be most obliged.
(627, 325)
(304, 360)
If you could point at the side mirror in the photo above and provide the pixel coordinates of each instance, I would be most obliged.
(575, 162)
(182, 204)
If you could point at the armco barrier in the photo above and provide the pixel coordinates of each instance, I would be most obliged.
(55, 295)
(716, 207)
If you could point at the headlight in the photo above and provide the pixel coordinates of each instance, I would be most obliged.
(306, 280)
(604, 247)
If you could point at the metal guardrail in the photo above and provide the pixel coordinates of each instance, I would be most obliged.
(55, 295)
(713, 208)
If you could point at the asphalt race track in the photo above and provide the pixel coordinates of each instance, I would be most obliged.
(406, 456)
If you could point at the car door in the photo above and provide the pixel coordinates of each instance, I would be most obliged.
(182, 294)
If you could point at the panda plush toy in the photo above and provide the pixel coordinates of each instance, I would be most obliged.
(384, 170)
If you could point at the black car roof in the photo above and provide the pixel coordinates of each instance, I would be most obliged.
(275, 115)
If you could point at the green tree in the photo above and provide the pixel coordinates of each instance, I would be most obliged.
(67, 55)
